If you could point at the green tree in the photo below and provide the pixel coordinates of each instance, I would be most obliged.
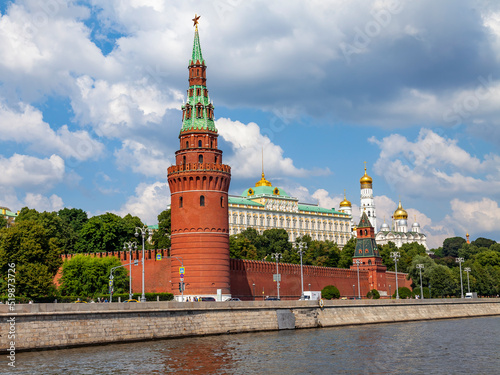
(89, 276)
(442, 281)
(404, 293)
(36, 255)
(74, 217)
(3, 222)
(55, 227)
(483, 242)
(488, 258)
(347, 253)
(161, 238)
(452, 245)
(277, 242)
(107, 232)
(330, 292)
(414, 272)
(373, 294)
(385, 253)
(240, 247)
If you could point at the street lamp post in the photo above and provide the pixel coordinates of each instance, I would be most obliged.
(142, 231)
(390, 292)
(130, 245)
(277, 257)
(460, 261)
(420, 266)
(299, 246)
(395, 255)
(353, 290)
(430, 294)
(358, 262)
(253, 291)
(467, 269)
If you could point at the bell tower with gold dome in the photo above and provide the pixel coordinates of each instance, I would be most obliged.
(367, 201)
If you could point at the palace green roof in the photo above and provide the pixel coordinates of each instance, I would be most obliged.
(265, 190)
(245, 201)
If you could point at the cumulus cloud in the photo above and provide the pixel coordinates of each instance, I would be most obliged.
(434, 165)
(27, 171)
(27, 126)
(148, 161)
(149, 200)
(475, 216)
(248, 145)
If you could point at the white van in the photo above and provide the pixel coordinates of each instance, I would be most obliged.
(471, 295)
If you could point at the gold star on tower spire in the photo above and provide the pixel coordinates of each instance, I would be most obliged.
(195, 20)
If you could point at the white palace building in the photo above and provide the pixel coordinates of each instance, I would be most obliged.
(267, 207)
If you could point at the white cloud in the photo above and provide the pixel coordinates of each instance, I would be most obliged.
(149, 201)
(42, 203)
(475, 216)
(27, 171)
(44, 44)
(434, 165)
(115, 110)
(247, 143)
(27, 126)
(142, 159)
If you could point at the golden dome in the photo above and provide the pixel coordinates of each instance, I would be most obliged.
(400, 213)
(365, 179)
(262, 182)
(345, 202)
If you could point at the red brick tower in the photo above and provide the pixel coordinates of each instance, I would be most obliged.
(199, 183)
(367, 253)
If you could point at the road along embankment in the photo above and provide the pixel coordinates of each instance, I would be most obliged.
(52, 326)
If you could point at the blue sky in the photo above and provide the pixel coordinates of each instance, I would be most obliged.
(90, 96)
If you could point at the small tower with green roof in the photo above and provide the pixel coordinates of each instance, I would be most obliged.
(367, 252)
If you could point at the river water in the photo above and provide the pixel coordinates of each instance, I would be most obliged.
(458, 346)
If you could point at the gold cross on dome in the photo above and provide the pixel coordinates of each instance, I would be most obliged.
(195, 20)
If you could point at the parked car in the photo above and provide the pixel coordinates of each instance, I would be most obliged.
(130, 300)
(272, 299)
(206, 299)
(233, 299)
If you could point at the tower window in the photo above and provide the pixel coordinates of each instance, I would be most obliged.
(202, 200)
(187, 144)
(215, 159)
(222, 202)
(184, 160)
(200, 159)
(198, 92)
(199, 143)
(180, 202)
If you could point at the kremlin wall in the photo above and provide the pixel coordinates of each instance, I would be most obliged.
(245, 273)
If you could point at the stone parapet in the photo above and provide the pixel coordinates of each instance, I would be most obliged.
(51, 326)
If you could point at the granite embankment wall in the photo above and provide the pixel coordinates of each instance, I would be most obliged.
(50, 326)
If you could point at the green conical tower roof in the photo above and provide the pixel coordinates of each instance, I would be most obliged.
(196, 56)
(198, 112)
